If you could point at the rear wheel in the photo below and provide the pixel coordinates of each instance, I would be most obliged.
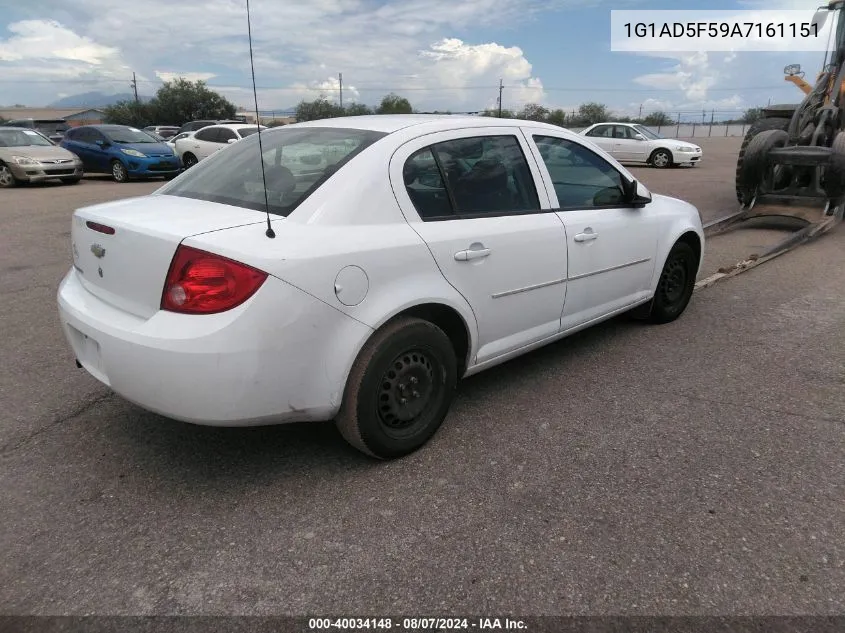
(189, 160)
(7, 179)
(399, 390)
(118, 171)
(676, 284)
(763, 125)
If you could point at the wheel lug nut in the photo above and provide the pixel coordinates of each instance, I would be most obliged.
(403, 401)
(416, 394)
(414, 380)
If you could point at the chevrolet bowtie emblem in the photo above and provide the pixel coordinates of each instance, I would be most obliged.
(98, 250)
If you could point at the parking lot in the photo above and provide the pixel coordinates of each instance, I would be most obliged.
(693, 468)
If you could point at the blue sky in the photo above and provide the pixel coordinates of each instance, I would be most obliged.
(440, 54)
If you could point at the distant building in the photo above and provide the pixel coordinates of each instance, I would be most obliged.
(86, 117)
(74, 116)
(267, 118)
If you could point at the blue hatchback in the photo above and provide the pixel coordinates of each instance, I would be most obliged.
(121, 151)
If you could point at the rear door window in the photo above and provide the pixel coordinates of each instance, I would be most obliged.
(207, 134)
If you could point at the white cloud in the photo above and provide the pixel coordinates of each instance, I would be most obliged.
(170, 76)
(298, 48)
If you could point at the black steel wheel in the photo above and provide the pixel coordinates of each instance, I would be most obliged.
(399, 390)
(189, 160)
(676, 284)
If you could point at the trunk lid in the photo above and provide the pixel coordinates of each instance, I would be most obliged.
(128, 268)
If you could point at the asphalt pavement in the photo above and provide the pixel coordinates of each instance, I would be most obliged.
(696, 468)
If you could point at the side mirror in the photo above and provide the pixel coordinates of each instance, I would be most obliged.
(639, 137)
(232, 140)
(636, 193)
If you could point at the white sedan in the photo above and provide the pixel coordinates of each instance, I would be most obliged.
(204, 142)
(394, 255)
(634, 143)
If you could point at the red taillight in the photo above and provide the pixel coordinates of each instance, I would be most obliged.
(203, 283)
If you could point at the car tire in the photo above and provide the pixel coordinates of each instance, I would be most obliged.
(674, 288)
(661, 158)
(118, 172)
(71, 181)
(399, 390)
(7, 178)
(189, 160)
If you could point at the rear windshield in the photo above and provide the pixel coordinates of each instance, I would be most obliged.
(246, 131)
(296, 162)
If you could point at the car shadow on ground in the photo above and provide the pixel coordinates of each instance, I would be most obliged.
(143, 441)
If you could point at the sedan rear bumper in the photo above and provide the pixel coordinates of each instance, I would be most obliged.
(282, 356)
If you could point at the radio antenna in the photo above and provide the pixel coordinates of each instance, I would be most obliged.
(269, 232)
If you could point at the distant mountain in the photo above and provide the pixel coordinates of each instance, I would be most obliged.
(93, 100)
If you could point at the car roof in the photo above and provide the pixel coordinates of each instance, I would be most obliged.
(231, 126)
(390, 123)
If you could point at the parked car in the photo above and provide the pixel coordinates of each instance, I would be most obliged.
(420, 250)
(122, 151)
(634, 143)
(193, 126)
(54, 129)
(26, 155)
(171, 142)
(165, 131)
(204, 142)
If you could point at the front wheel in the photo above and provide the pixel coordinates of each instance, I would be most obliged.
(661, 159)
(7, 179)
(676, 284)
(399, 390)
(118, 171)
(189, 160)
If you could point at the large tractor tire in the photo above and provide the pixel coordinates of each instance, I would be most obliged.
(756, 163)
(834, 173)
(743, 194)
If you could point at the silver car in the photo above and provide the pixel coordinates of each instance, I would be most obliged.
(26, 155)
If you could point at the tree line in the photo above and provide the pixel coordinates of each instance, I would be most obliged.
(175, 103)
(180, 101)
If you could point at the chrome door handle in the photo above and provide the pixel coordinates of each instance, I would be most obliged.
(463, 256)
(586, 237)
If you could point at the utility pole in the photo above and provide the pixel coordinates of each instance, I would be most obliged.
(134, 85)
(340, 79)
(501, 87)
(641, 112)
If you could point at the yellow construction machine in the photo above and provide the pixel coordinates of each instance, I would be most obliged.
(792, 161)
